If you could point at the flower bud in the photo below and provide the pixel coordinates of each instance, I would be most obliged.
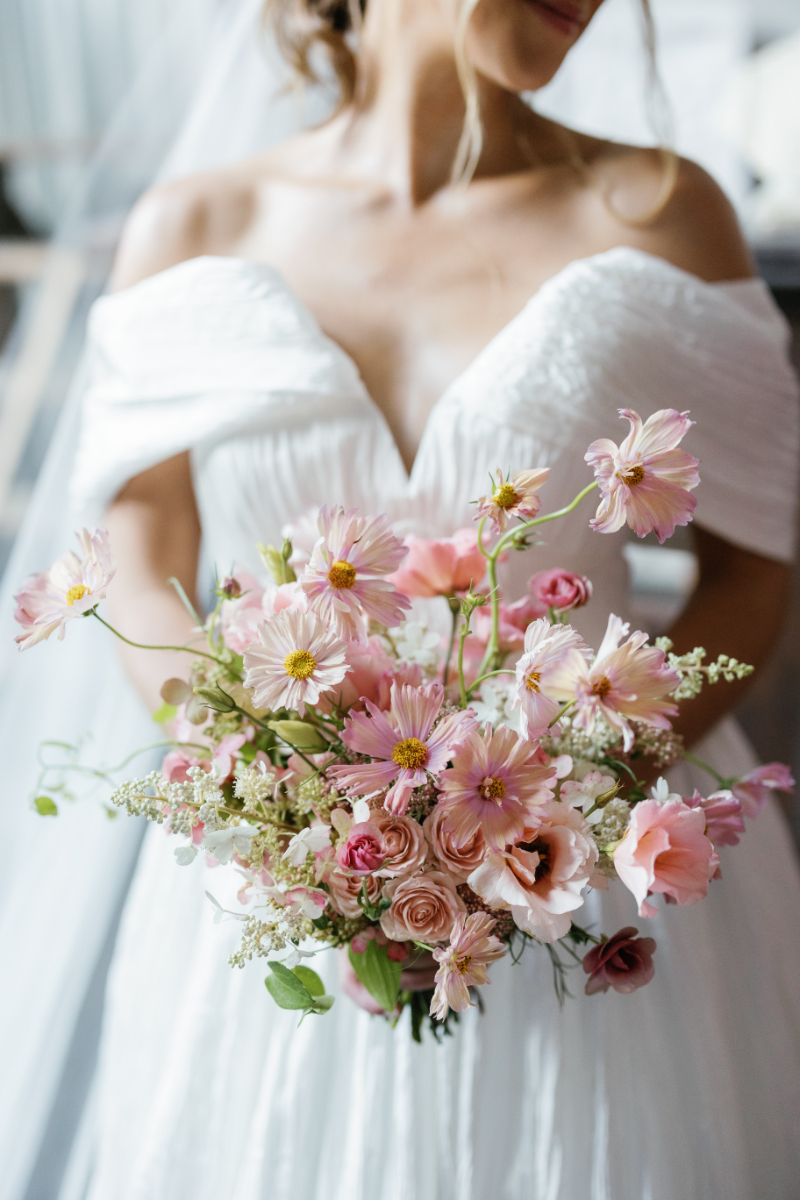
(216, 698)
(277, 562)
(299, 734)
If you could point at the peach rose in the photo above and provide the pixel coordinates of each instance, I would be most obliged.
(459, 861)
(423, 908)
(343, 887)
(404, 842)
(665, 849)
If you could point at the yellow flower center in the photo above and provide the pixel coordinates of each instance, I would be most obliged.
(300, 664)
(76, 593)
(462, 964)
(633, 476)
(410, 754)
(492, 789)
(601, 688)
(505, 496)
(342, 575)
(532, 681)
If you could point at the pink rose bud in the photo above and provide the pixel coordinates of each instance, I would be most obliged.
(231, 587)
(624, 963)
(364, 851)
(396, 952)
(561, 590)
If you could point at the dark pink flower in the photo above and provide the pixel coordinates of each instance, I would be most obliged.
(441, 567)
(723, 811)
(514, 620)
(364, 851)
(561, 590)
(624, 963)
(754, 789)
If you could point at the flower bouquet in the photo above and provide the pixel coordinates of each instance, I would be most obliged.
(393, 793)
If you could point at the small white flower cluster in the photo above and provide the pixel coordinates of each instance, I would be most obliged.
(613, 822)
(411, 642)
(255, 786)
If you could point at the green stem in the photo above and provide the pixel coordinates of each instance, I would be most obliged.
(143, 646)
(455, 608)
(565, 709)
(698, 762)
(562, 512)
(462, 637)
(490, 675)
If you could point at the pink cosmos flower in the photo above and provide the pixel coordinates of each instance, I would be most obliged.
(514, 497)
(441, 567)
(342, 580)
(754, 789)
(624, 963)
(403, 744)
(463, 963)
(514, 621)
(554, 655)
(370, 675)
(240, 617)
(364, 851)
(296, 660)
(624, 681)
(665, 849)
(561, 590)
(423, 909)
(496, 785)
(73, 585)
(723, 813)
(458, 860)
(646, 481)
(542, 878)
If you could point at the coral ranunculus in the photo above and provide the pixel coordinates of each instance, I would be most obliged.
(441, 566)
(665, 849)
(624, 963)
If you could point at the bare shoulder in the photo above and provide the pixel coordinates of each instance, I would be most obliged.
(672, 208)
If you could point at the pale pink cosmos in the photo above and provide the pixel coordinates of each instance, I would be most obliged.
(560, 589)
(541, 879)
(754, 788)
(624, 962)
(73, 585)
(517, 496)
(554, 655)
(495, 785)
(723, 813)
(515, 619)
(441, 566)
(343, 578)
(403, 744)
(423, 909)
(628, 681)
(364, 851)
(295, 660)
(665, 849)
(463, 963)
(645, 481)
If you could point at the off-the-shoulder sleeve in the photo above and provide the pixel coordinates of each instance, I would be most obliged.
(207, 350)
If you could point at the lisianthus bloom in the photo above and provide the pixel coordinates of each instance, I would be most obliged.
(645, 481)
(72, 586)
(624, 963)
(463, 963)
(625, 681)
(723, 813)
(554, 656)
(423, 908)
(517, 496)
(403, 743)
(343, 578)
(441, 566)
(406, 848)
(561, 590)
(515, 619)
(754, 788)
(364, 851)
(665, 849)
(541, 879)
(495, 785)
(459, 860)
(295, 659)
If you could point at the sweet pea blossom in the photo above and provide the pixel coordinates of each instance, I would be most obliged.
(404, 746)
(554, 656)
(370, 675)
(542, 878)
(496, 785)
(624, 963)
(296, 658)
(754, 788)
(343, 578)
(665, 849)
(560, 589)
(463, 963)
(517, 496)
(72, 586)
(645, 481)
(628, 681)
(723, 813)
(441, 566)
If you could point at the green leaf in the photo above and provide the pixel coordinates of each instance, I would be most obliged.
(310, 979)
(286, 988)
(323, 1004)
(45, 806)
(164, 714)
(379, 975)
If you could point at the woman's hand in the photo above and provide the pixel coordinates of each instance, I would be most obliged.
(417, 977)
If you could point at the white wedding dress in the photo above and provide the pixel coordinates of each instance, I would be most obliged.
(687, 1090)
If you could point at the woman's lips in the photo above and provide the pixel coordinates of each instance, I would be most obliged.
(564, 17)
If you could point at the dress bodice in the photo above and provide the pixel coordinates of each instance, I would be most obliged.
(218, 356)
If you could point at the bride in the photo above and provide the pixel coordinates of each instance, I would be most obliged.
(435, 282)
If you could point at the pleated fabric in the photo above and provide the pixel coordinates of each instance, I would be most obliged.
(690, 1088)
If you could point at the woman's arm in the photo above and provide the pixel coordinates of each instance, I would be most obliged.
(155, 533)
(737, 609)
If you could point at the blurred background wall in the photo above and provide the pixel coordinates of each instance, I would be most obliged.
(69, 68)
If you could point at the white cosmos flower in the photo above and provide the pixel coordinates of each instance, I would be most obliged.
(297, 659)
(307, 841)
(224, 843)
